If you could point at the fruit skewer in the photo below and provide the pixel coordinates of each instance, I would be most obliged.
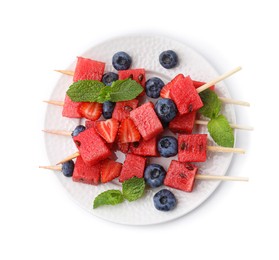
(197, 176)
(200, 89)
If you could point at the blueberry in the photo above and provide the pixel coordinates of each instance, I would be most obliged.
(68, 168)
(167, 146)
(121, 61)
(108, 108)
(165, 109)
(168, 59)
(164, 200)
(154, 175)
(153, 87)
(77, 130)
(109, 77)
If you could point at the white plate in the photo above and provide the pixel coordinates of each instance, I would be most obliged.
(144, 51)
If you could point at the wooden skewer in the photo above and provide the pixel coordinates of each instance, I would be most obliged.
(197, 177)
(58, 132)
(70, 157)
(234, 102)
(54, 102)
(235, 126)
(66, 72)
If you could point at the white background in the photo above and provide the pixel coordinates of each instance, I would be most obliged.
(38, 219)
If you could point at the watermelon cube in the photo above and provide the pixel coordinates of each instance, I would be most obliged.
(133, 167)
(88, 69)
(165, 91)
(122, 109)
(181, 176)
(89, 124)
(91, 146)
(71, 108)
(185, 96)
(145, 148)
(198, 84)
(192, 148)
(85, 173)
(146, 121)
(136, 74)
(183, 123)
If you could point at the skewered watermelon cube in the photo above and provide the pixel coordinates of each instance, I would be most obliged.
(135, 74)
(122, 109)
(192, 148)
(133, 167)
(165, 91)
(183, 123)
(145, 148)
(146, 121)
(185, 96)
(181, 176)
(71, 108)
(85, 173)
(110, 170)
(91, 146)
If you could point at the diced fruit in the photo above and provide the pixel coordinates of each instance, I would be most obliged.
(89, 124)
(168, 59)
(146, 121)
(192, 148)
(133, 167)
(87, 69)
(198, 84)
(91, 146)
(123, 147)
(68, 168)
(108, 108)
(78, 129)
(165, 109)
(164, 200)
(121, 60)
(183, 123)
(181, 176)
(165, 92)
(91, 110)
(167, 146)
(85, 173)
(154, 175)
(153, 87)
(128, 131)
(109, 77)
(107, 129)
(135, 74)
(145, 148)
(110, 170)
(122, 109)
(185, 96)
(71, 108)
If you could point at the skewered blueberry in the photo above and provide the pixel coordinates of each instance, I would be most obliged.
(109, 77)
(165, 109)
(168, 59)
(77, 130)
(154, 175)
(108, 108)
(121, 61)
(68, 168)
(167, 146)
(153, 87)
(164, 200)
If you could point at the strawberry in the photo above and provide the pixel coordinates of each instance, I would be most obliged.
(128, 132)
(110, 170)
(107, 129)
(165, 91)
(91, 110)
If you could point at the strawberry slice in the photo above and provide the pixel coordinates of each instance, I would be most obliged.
(128, 132)
(107, 129)
(165, 91)
(91, 110)
(110, 170)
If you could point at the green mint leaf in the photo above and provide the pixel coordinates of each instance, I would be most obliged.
(109, 197)
(85, 90)
(104, 94)
(211, 104)
(133, 188)
(221, 132)
(122, 90)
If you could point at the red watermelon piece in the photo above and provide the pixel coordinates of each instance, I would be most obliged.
(183, 123)
(133, 167)
(145, 148)
(89, 124)
(122, 109)
(165, 91)
(91, 146)
(185, 96)
(71, 108)
(85, 173)
(88, 69)
(181, 176)
(146, 121)
(135, 74)
(110, 170)
(192, 148)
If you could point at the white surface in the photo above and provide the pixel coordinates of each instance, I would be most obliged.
(38, 218)
(144, 51)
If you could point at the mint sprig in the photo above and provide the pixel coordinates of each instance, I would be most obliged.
(211, 104)
(96, 91)
(109, 197)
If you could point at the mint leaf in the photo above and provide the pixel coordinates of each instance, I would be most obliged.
(211, 104)
(122, 90)
(133, 188)
(221, 132)
(109, 197)
(85, 90)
